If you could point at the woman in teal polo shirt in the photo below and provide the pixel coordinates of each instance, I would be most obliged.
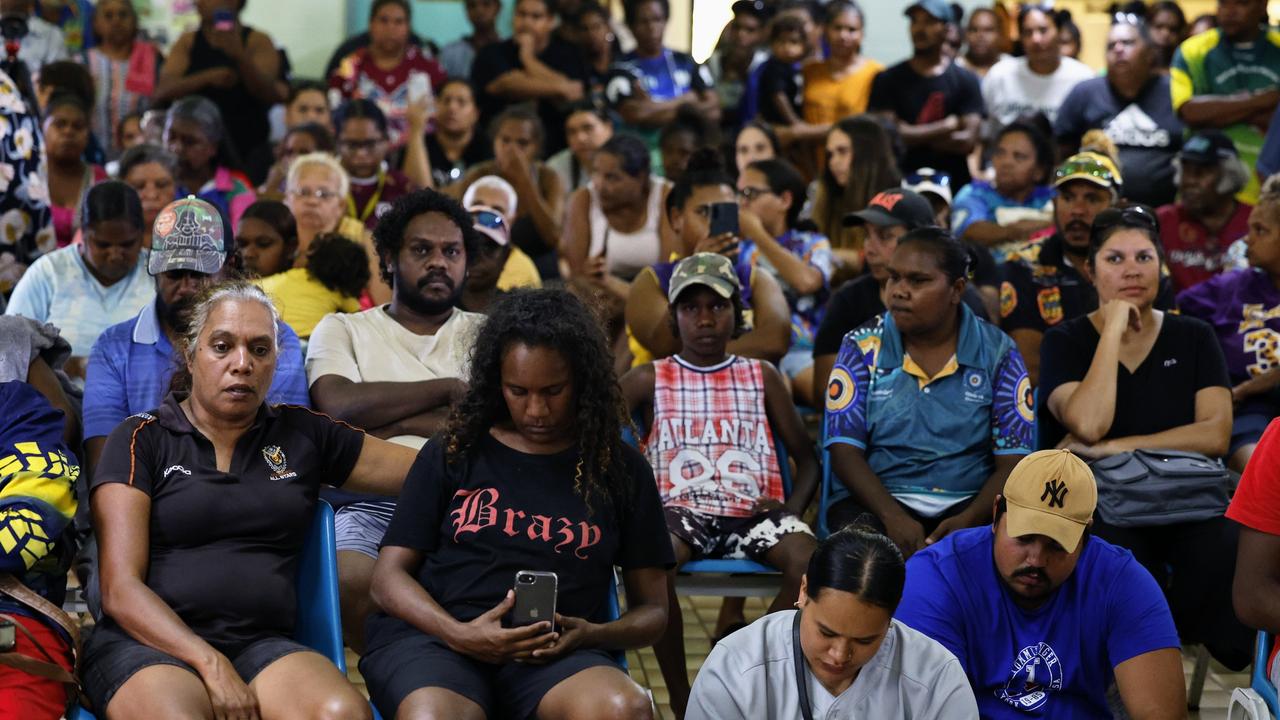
(928, 406)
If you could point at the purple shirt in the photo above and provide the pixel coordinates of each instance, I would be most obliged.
(1244, 309)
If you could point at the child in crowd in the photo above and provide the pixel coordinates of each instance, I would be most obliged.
(711, 419)
(337, 270)
(781, 82)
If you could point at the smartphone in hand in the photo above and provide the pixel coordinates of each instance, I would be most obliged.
(724, 218)
(535, 598)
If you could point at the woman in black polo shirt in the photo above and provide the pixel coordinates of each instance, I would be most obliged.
(1127, 377)
(201, 508)
(530, 474)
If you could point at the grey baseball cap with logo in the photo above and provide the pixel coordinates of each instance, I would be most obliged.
(189, 234)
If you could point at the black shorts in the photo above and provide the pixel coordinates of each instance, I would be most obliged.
(112, 656)
(1247, 429)
(513, 690)
(737, 538)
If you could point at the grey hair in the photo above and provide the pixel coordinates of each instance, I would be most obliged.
(146, 154)
(201, 111)
(497, 183)
(320, 159)
(215, 295)
(1234, 175)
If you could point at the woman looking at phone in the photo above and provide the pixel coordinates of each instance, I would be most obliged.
(529, 475)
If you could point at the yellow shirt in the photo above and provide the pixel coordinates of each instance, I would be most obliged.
(519, 272)
(829, 100)
(303, 301)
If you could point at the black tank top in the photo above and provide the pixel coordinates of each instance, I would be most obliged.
(244, 116)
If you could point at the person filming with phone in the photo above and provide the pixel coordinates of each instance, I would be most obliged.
(703, 211)
(529, 486)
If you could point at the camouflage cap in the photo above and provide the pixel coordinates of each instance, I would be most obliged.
(709, 269)
(189, 234)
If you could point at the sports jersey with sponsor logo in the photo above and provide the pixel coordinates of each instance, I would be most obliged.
(1243, 307)
(1055, 661)
(710, 445)
(224, 546)
(931, 441)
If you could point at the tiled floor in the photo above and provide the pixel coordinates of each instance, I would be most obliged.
(700, 617)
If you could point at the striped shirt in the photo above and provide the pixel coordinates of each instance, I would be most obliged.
(711, 446)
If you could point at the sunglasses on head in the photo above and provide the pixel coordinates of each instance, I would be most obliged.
(1128, 18)
(1132, 215)
(489, 219)
(936, 178)
(1092, 168)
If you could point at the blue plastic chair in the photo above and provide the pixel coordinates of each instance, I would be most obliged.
(721, 566)
(319, 620)
(615, 612)
(1261, 683)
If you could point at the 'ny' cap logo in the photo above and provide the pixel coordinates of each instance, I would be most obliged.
(1056, 492)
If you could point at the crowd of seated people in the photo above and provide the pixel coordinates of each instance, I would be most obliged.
(556, 298)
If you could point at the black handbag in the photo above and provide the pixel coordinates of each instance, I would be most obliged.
(1143, 488)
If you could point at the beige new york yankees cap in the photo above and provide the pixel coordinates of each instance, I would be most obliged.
(1051, 493)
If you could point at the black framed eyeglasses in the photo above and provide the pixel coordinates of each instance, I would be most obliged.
(751, 193)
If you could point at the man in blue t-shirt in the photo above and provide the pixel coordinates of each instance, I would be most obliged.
(1043, 617)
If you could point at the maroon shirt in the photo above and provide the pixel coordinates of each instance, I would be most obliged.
(1193, 255)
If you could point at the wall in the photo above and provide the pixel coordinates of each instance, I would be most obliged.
(308, 29)
(442, 21)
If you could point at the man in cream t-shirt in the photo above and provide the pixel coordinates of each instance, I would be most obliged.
(393, 370)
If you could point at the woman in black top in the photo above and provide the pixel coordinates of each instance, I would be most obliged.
(201, 508)
(235, 66)
(1126, 377)
(530, 474)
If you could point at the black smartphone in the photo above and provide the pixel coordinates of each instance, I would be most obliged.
(724, 218)
(535, 598)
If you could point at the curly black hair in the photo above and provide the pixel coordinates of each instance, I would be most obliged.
(388, 236)
(339, 264)
(558, 320)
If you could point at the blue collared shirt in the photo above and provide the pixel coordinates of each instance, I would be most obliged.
(931, 441)
(133, 361)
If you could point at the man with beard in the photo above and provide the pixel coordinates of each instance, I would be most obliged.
(1043, 284)
(394, 369)
(1197, 230)
(1042, 616)
(132, 362)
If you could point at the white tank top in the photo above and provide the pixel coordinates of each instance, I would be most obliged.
(628, 253)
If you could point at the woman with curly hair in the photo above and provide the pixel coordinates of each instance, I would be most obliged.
(529, 475)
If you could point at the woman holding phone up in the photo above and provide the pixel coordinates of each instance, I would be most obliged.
(529, 475)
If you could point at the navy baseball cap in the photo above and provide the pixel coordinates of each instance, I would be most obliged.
(1208, 147)
(937, 8)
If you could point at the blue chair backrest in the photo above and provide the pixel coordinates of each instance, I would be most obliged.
(1261, 682)
(319, 623)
